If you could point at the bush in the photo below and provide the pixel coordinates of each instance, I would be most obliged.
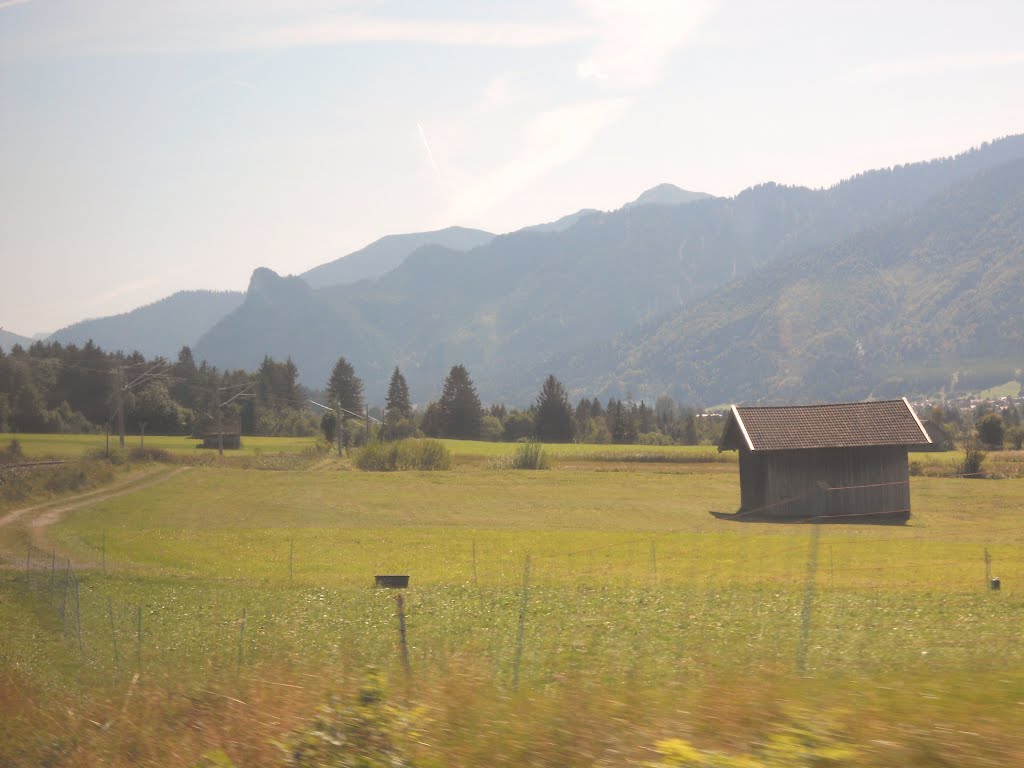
(971, 465)
(530, 456)
(14, 451)
(1015, 437)
(367, 732)
(404, 455)
(990, 430)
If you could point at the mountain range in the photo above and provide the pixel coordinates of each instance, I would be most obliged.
(896, 281)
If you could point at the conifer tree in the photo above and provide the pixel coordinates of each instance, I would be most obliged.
(345, 388)
(459, 406)
(398, 405)
(553, 421)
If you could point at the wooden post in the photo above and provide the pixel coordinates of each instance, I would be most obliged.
(103, 552)
(138, 641)
(812, 569)
(64, 604)
(291, 550)
(241, 642)
(53, 570)
(78, 616)
(401, 634)
(476, 583)
(654, 563)
(522, 624)
(988, 569)
(113, 635)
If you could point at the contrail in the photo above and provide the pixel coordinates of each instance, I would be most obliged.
(430, 153)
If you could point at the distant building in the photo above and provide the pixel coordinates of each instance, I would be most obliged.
(843, 461)
(205, 429)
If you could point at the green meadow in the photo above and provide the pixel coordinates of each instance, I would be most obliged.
(574, 616)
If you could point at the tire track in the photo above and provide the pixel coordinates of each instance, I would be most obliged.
(41, 516)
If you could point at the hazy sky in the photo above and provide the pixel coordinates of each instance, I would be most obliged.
(148, 147)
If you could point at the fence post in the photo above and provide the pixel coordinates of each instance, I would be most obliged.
(241, 642)
(64, 603)
(400, 602)
(522, 624)
(812, 569)
(53, 568)
(138, 640)
(78, 616)
(988, 569)
(476, 583)
(654, 563)
(113, 636)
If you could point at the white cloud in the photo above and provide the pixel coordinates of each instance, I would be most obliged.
(635, 39)
(353, 29)
(933, 66)
(429, 151)
(117, 28)
(549, 140)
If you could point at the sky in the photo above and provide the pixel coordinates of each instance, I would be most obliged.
(148, 147)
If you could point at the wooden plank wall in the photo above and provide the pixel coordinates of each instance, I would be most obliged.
(862, 481)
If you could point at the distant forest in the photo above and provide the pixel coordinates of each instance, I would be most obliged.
(50, 387)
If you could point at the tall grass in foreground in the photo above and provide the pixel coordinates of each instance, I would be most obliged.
(404, 455)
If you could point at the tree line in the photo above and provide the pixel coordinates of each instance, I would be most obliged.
(50, 387)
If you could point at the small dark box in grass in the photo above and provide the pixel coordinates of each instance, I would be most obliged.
(996, 584)
(392, 582)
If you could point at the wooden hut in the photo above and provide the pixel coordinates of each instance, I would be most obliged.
(843, 461)
(205, 429)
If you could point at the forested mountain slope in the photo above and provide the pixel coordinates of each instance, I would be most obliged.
(518, 305)
(161, 328)
(903, 306)
(381, 256)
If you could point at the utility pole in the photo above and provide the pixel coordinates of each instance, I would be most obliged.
(142, 434)
(119, 388)
(220, 426)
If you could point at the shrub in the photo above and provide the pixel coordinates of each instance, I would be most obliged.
(14, 451)
(365, 733)
(1015, 437)
(530, 456)
(404, 455)
(990, 430)
(971, 465)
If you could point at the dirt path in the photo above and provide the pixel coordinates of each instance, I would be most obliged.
(39, 517)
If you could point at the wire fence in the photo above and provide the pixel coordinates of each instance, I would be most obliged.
(635, 606)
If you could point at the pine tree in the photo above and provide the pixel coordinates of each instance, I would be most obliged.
(460, 410)
(398, 405)
(553, 420)
(345, 388)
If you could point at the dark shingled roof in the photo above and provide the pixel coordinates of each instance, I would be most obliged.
(838, 425)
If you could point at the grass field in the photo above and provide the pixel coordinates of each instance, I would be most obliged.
(639, 617)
